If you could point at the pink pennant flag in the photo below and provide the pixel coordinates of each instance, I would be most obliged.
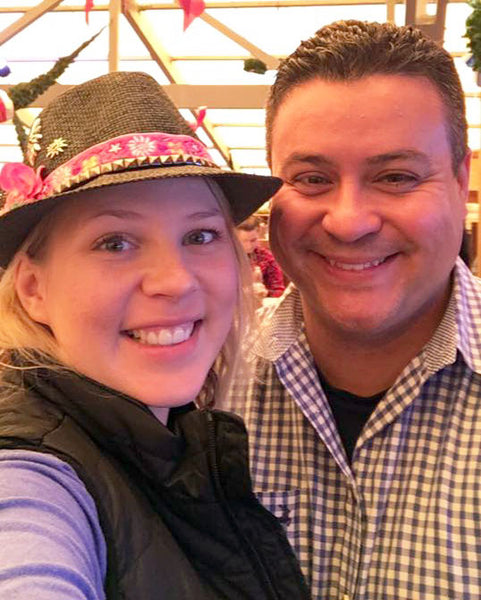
(192, 9)
(89, 4)
(6, 107)
(201, 110)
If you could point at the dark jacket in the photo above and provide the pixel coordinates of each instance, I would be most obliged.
(175, 503)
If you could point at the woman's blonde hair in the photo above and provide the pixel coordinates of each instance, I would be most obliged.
(33, 342)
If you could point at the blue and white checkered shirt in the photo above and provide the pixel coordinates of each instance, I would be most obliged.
(403, 521)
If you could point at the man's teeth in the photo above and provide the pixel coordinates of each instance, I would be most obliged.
(355, 266)
(163, 337)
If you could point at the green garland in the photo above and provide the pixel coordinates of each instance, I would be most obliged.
(24, 93)
(255, 65)
(473, 33)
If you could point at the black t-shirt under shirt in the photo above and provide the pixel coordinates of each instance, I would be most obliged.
(350, 412)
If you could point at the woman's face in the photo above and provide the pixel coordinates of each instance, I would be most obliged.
(138, 285)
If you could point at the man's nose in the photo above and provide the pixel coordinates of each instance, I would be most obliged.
(350, 214)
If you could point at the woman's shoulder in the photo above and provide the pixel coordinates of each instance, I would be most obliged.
(24, 413)
(29, 470)
(50, 537)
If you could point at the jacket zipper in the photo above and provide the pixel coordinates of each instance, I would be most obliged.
(249, 549)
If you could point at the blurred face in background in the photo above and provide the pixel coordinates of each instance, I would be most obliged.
(249, 239)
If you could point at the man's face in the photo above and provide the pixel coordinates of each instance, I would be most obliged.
(369, 221)
(248, 239)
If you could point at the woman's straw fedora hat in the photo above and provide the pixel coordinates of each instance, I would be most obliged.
(115, 129)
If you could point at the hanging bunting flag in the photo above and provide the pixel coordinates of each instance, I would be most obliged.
(6, 107)
(201, 110)
(89, 4)
(192, 9)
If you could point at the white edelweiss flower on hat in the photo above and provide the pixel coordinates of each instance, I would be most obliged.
(141, 145)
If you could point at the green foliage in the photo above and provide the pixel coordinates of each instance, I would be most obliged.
(25, 93)
(473, 33)
(254, 65)
(22, 135)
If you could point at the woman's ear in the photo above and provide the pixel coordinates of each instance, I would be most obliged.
(29, 285)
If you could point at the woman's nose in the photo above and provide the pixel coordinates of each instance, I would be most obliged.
(350, 215)
(168, 274)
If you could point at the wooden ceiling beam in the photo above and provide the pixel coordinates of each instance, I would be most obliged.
(431, 24)
(147, 35)
(219, 96)
(114, 15)
(271, 61)
(215, 4)
(30, 15)
(144, 30)
(189, 96)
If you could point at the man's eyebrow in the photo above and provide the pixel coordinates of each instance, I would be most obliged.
(406, 154)
(312, 159)
(385, 157)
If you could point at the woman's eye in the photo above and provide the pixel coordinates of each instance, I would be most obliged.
(201, 237)
(114, 244)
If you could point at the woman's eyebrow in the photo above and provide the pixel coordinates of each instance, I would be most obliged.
(117, 212)
(205, 214)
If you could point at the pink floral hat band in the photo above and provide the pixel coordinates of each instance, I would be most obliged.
(24, 185)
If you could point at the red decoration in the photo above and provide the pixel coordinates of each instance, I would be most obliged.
(192, 9)
(201, 111)
(89, 4)
(6, 107)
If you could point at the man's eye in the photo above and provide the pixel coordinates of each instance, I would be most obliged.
(114, 244)
(398, 179)
(311, 183)
(311, 179)
(200, 237)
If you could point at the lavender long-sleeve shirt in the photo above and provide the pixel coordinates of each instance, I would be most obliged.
(51, 544)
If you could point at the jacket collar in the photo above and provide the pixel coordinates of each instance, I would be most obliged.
(186, 456)
(120, 425)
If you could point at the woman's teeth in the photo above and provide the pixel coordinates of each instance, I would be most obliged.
(167, 336)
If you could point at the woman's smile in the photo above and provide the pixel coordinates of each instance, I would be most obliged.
(162, 336)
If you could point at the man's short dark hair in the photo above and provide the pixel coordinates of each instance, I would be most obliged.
(350, 50)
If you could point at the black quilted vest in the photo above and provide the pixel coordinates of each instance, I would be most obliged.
(175, 503)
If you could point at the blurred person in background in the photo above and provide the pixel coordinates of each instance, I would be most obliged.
(265, 268)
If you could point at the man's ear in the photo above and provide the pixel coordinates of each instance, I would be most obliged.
(29, 285)
(463, 175)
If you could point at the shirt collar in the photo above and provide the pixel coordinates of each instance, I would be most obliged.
(281, 325)
(459, 330)
(467, 317)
